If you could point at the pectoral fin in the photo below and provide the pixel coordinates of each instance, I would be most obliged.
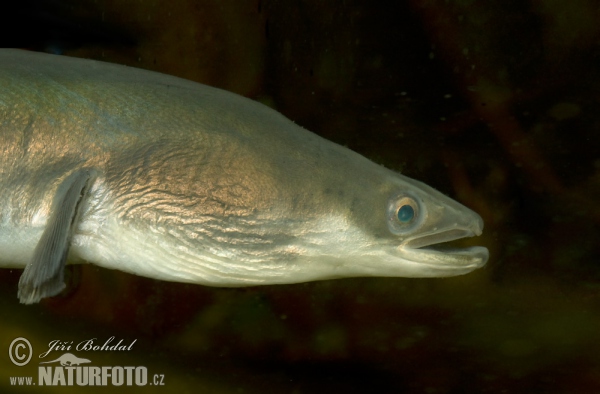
(44, 275)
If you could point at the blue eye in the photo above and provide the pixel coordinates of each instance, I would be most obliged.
(406, 213)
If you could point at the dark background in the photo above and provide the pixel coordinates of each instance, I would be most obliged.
(494, 103)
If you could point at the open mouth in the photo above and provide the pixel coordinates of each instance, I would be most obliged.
(432, 249)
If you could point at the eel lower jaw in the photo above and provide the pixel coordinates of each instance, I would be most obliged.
(427, 250)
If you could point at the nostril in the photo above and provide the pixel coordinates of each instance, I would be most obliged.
(479, 229)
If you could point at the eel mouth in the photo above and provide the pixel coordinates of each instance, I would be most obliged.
(430, 249)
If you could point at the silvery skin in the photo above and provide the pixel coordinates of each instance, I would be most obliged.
(170, 179)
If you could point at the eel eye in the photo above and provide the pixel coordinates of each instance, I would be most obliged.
(404, 214)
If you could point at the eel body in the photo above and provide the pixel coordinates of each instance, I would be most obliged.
(170, 179)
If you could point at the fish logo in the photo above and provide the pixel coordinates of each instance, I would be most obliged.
(68, 359)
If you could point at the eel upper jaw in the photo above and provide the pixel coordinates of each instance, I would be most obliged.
(421, 250)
